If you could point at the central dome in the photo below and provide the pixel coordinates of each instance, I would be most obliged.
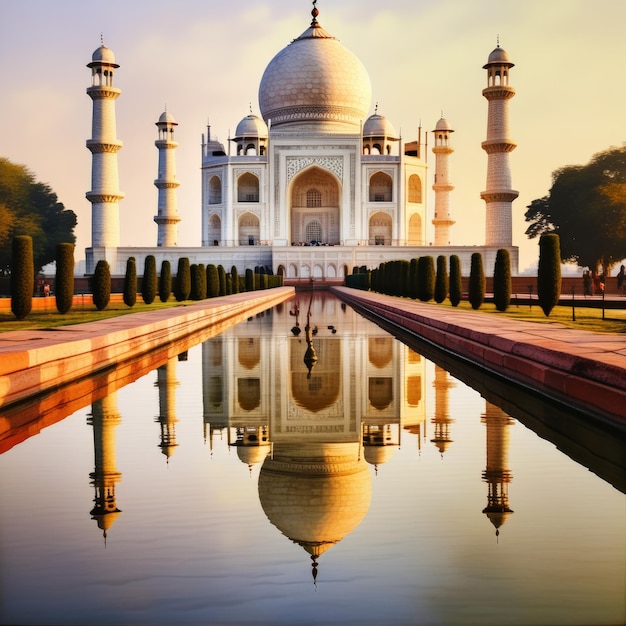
(315, 83)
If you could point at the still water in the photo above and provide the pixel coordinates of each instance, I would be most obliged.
(279, 474)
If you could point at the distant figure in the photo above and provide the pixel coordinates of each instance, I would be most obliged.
(620, 280)
(587, 283)
(46, 289)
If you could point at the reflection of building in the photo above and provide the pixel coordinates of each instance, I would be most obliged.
(105, 418)
(315, 426)
(166, 383)
(442, 420)
(497, 474)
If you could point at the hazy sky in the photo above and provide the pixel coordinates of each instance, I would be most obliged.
(204, 59)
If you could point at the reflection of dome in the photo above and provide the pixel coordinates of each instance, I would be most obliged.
(315, 494)
(103, 55)
(251, 455)
(498, 55)
(251, 126)
(377, 455)
(315, 81)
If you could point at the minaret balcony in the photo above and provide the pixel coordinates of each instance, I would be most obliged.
(96, 146)
(495, 146)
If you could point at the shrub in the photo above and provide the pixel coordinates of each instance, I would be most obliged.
(198, 282)
(441, 281)
(212, 281)
(456, 285)
(549, 272)
(64, 278)
(502, 280)
(149, 282)
(413, 280)
(165, 281)
(130, 282)
(250, 280)
(426, 278)
(101, 285)
(182, 283)
(235, 279)
(476, 281)
(22, 276)
(221, 273)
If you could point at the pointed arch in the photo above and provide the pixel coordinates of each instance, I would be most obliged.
(214, 232)
(249, 229)
(416, 236)
(381, 188)
(215, 190)
(380, 229)
(248, 188)
(415, 189)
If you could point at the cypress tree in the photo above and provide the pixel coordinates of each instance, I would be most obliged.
(502, 280)
(221, 273)
(212, 281)
(413, 280)
(64, 279)
(130, 282)
(476, 281)
(165, 281)
(201, 281)
(101, 285)
(235, 279)
(426, 278)
(549, 272)
(22, 276)
(182, 282)
(441, 281)
(456, 285)
(249, 280)
(149, 282)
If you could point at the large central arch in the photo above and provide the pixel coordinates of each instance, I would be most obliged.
(314, 207)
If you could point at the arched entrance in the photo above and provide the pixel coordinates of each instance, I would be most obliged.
(314, 213)
(249, 230)
(380, 229)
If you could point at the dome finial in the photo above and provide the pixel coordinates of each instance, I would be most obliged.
(314, 13)
(498, 40)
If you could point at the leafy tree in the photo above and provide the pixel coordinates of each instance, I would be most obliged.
(441, 281)
(586, 207)
(502, 280)
(22, 276)
(149, 281)
(456, 284)
(182, 284)
(130, 282)
(101, 285)
(549, 272)
(31, 208)
(64, 279)
(476, 294)
(165, 281)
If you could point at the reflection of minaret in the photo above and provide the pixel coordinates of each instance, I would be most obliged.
(497, 474)
(442, 420)
(166, 382)
(104, 418)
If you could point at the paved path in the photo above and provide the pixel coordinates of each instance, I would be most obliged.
(579, 367)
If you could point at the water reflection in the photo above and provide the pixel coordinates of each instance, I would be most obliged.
(356, 452)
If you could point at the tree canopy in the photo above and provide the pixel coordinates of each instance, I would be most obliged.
(586, 207)
(28, 207)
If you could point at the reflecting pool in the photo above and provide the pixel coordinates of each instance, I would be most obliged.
(305, 467)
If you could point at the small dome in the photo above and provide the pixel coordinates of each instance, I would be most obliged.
(167, 118)
(251, 126)
(378, 126)
(103, 55)
(443, 124)
(499, 56)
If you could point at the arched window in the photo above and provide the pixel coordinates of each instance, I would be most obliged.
(313, 231)
(215, 190)
(313, 198)
(415, 188)
(214, 233)
(380, 188)
(247, 188)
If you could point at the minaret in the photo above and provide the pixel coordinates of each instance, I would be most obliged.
(103, 145)
(167, 217)
(442, 187)
(499, 195)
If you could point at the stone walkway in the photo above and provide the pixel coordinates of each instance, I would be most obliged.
(585, 368)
